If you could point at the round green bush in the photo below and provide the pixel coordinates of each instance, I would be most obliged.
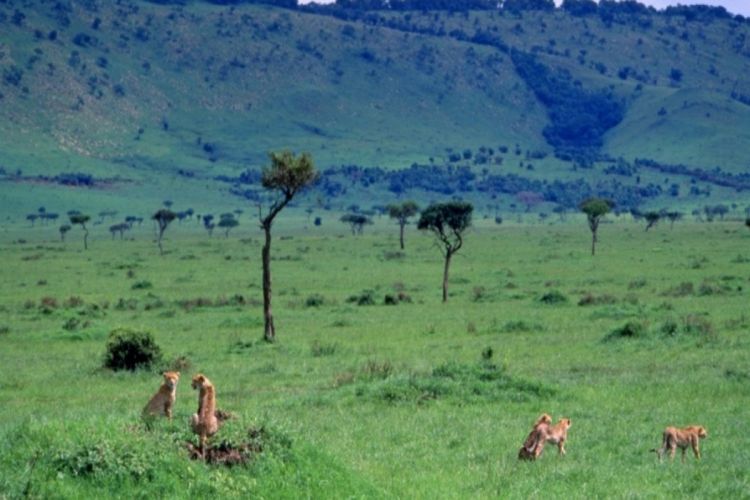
(131, 350)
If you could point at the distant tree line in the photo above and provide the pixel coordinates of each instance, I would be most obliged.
(740, 181)
(453, 180)
(619, 11)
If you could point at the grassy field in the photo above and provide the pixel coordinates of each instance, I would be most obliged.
(415, 400)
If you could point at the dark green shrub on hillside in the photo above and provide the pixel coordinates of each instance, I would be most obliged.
(630, 330)
(589, 299)
(131, 350)
(315, 300)
(553, 297)
(366, 298)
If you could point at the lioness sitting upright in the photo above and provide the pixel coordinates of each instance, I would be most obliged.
(162, 402)
(674, 438)
(204, 423)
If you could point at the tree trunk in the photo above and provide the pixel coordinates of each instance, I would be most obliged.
(593, 242)
(448, 256)
(85, 238)
(269, 332)
(402, 224)
(161, 250)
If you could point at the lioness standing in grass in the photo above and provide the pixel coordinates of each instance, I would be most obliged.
(674, 438)
(162, 402)
(204, 423)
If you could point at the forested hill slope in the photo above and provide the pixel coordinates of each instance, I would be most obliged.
(137, 90)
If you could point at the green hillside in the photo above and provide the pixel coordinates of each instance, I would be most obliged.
(155, 101)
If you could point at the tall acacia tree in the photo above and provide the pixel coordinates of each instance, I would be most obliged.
(163, 217)
(78, 218)
(285, 177)
(447, 221)
(595, 209)
(402, 212)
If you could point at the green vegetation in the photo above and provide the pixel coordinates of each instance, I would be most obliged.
(389, 100)
(422, 399)
(539, 118)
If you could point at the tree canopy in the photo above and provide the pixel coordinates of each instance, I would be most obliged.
(448, 221)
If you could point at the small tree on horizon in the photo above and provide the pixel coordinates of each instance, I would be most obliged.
(357, 222)
(747, 222)
(121, 228)
(64, 229)
(227, 223)
(595, 209)
(402, 212)
(208, 223)
(673, 217)
(447, 221)
(163, 217)
(79, 218)
(651, 219)
(286, 176)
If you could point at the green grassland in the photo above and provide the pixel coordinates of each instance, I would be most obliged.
(381, 400)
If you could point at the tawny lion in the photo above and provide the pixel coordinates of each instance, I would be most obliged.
(162, 402)
(674, 438)
(543, 433)
(527, 451)
(204, 423)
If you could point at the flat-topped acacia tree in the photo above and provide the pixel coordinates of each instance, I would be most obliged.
(163, 217)
(402, 212)
(64, 229)
(78, 218)
(595, 209)
(227, 223)
(284, 178)
(447, 221)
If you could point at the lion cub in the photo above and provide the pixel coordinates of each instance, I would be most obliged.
(674, 438)
(163, 401)
(204, 423)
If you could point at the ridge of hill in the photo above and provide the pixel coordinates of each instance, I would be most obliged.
(156, 100)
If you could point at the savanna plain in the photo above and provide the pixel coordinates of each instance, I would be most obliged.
(362, 399)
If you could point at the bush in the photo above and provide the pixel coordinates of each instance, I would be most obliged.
(319, 349)
(629, 330)
(314, 300)
(590, 299)
(131, 350)
(366, 298)
(393, 300)
(553, 297)
(142, 285)
(683, 289)
(693, 324)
